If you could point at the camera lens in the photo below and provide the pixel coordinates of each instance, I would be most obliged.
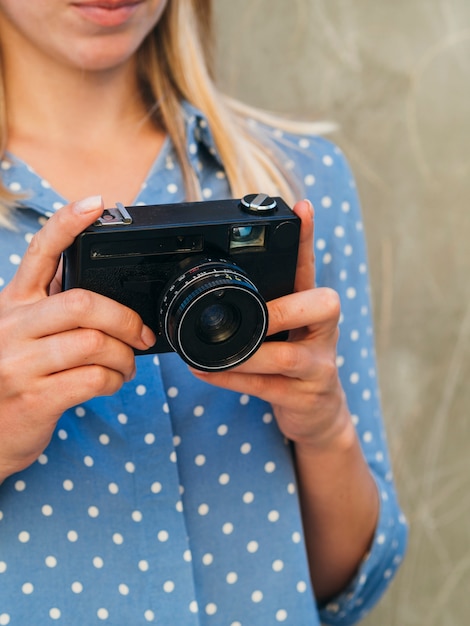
(212, 314)
(217, 323)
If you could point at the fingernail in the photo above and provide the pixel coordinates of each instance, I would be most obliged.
(132, 375)
(310, 206)
(148, 337)
(87, 205)
(197, 372)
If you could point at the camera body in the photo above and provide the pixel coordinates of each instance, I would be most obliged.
(198, 273)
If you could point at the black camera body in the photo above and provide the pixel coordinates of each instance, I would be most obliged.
(198, 273)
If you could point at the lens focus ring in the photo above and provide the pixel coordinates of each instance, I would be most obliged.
(213, 316)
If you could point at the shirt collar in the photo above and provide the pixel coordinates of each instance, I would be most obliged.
(44, 199)
(198, 131)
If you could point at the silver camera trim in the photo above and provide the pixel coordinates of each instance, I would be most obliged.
(117, 216)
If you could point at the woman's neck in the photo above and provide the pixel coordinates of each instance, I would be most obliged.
(79, 128)
(58, 100)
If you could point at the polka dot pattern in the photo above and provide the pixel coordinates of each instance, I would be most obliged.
(175, 503)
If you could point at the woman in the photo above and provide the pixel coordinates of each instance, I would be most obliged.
(135, 490)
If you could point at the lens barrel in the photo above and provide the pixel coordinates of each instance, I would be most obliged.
(212, 315)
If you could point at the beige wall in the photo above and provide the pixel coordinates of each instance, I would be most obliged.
(395, 74)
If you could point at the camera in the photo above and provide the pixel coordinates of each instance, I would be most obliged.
(198, 273)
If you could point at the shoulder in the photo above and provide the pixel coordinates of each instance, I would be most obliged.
(321, 171)
(324, 176)
(305, 150)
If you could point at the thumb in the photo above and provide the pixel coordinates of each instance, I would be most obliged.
(40, 262)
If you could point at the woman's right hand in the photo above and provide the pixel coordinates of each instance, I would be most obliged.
(57, 351)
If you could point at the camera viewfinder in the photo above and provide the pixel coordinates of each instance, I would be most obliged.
(247, 236)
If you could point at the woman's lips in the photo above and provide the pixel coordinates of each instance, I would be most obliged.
(107, 13)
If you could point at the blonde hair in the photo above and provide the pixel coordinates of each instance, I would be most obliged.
(175, 63)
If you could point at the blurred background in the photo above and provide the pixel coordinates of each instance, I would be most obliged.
(395, 76)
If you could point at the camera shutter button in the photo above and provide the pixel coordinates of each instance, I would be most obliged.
(258, 203)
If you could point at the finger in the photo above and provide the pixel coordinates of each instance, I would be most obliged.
(56, 284)
(306, 359)
(77, 386)
(280, 358)
(277, 390)
(305, 275)
(41, 259)
(76, 348)
(316, 309)
(80, 308)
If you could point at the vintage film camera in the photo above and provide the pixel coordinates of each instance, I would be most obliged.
(198, 273)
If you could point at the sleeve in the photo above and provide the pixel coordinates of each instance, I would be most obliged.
(341, 262)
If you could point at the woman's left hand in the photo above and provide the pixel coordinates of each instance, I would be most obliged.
(298, 377)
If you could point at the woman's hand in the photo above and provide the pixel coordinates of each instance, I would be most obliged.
(299, 378)
(57, 350)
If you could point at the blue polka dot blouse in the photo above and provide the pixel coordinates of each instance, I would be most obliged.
(175, 503)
